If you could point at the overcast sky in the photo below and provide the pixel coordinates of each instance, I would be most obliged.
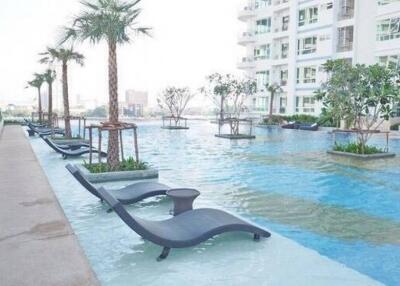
(191, 39)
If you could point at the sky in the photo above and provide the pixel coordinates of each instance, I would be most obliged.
(191, 39)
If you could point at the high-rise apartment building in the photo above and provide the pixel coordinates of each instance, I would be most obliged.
(288, 41)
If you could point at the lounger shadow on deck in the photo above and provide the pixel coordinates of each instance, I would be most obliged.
(185, 230)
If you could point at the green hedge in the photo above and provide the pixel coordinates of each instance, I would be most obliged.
(303, 118)
(128, 164)
(356, 148)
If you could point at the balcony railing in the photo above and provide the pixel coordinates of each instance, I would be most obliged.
(246, 63)
(346, 47)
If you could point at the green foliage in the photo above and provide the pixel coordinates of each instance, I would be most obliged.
(13, 122)
(128, 164)
(323, 120)
(228, 92)
(395, 127)
(175, 99)
(100, 112)
(62, 55)
(109, 20)
(357, 148)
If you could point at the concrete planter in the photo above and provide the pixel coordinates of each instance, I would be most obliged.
(70, 141)
(235, 137)
(118, 176)
(362, 157)
(175, 127)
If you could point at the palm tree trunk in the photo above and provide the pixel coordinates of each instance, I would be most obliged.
(50, 111)
(221, 115)
(271, 105)
(67, 121)
(40, 105)
(113, 144)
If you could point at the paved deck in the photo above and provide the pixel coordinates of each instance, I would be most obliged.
(37, 244)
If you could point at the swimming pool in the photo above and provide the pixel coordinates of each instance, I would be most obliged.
(283, 180)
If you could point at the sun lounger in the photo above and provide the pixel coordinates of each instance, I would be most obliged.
(71, 153)
(70, 146)
(184, 230)
(309, 127)
(127, 195)
(44, 131)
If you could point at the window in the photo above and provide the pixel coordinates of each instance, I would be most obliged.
(345, 39)
(346, 9)
(392, 60)
(329, 5)
(306, 74)
(307, 45)
(262, 52)
(388, 29)
(263, 26)
(262, 3)
(284, 50)
(386, 2)
(262, 78)
(308, 16)
(285, 23)
(305, 104)
(284, 77)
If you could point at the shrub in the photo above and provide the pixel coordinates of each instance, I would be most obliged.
(357, 148)
(395, 127)
(128, 164)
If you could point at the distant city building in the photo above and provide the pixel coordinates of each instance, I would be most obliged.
(288, 41)
(135, 103)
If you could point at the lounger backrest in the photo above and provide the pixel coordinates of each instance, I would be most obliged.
(136, 224)
(82, 180)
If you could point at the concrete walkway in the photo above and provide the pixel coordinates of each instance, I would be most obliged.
(37, 244)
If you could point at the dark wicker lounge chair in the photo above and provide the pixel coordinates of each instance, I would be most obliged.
(184, 230)
(291, 125)
(309, 127)
(70, 146)
(127, 195)
(71, 153)
(44, 131)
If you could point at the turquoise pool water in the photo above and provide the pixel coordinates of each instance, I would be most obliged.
(283, 180)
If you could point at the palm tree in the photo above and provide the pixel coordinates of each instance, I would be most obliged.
(64, 56)
(272, 89)
(109, 20)
(49, 76)
(37, 82)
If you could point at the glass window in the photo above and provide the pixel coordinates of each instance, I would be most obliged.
(306, 74)
(262, 3)
(308, 16)
(388, 29)
(262, 78)
(307, 45)
(263, 26)
(262, 52)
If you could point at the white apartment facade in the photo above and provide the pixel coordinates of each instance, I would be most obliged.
(288, 41)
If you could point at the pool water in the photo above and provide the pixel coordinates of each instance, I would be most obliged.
(345, 210)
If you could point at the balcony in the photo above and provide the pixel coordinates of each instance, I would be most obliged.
(246, 38)
(248, 12)
(246, 63)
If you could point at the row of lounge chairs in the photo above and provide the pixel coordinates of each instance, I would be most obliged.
(71, 150)
(301, 126)
(187, 229)
(42, 129)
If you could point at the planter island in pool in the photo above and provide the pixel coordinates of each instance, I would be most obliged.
(117, 176)
(363, 156)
